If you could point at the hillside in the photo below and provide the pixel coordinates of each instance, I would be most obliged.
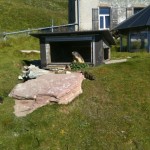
(24, 14)
(112, 113)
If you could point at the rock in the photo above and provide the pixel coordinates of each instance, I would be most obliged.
(58, 88)
(24, 107)
(30, 51)
(115, 61)
(62, 72)
(68, 68)
(31, 72)
(68, 72)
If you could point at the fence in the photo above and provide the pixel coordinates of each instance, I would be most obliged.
(61, 28)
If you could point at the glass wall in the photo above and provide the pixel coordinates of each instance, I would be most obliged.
(124, 43)
(138, 41)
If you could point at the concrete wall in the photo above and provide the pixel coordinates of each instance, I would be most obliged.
(99, 51)
(118, 9)
(44, 52)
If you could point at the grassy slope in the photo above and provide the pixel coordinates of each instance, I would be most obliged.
(112, 113)
(24, 14)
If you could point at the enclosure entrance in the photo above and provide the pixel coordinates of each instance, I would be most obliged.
(62, 51)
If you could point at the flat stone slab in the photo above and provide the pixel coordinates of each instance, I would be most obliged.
(30, 51)
(115, 61)
(35, 93)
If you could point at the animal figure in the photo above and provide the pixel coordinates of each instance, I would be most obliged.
(88, 75)
(77, 57)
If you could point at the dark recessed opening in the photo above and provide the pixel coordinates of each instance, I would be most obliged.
(62, 51)
(106, 53)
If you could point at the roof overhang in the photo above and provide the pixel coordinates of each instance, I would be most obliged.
(136, 29)
(82, 35)
(138, 21)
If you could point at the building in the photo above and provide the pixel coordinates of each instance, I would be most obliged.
(56, 48)
(102, 14)
(90, 36)
(135, 32)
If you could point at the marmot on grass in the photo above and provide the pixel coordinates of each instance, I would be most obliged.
(88, 75)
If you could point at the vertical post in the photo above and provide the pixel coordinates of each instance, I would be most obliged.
(149, 41)
(94, 59)
(77, 14)
(52, 25)
(121, 43)
(91, 52)
(129, 41)
(47, 49)
(44, 52)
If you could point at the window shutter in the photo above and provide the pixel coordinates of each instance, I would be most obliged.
(129, 12)
(95, 20)
(114, 17)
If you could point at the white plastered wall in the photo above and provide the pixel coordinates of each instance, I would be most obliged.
(85, 13)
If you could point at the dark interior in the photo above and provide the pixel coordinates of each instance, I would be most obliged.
(62, 51)
(106, 53)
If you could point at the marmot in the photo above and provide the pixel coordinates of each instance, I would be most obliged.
(88, 75)
(77, 57)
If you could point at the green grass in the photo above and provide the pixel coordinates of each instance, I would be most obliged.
(12, 60)
(112, 113)
(23, 14)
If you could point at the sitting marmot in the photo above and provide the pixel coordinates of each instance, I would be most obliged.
(77, 57)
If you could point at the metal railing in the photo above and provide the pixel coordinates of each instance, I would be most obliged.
(60, 28)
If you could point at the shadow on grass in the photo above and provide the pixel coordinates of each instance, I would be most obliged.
(33, 62)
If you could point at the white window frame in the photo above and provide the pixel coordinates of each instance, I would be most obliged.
(104, 19)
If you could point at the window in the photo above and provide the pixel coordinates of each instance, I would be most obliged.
(137, 9)
(104, 18)
(132, 10)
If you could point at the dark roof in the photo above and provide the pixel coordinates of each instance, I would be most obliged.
(105, 34)
(140, 19)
